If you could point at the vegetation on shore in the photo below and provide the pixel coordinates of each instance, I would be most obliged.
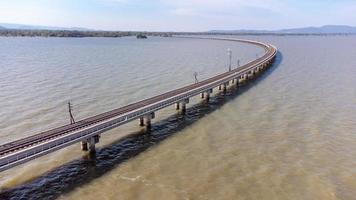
(113, 34)
(68, 33)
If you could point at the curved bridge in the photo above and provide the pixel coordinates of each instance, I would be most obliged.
(88, 131)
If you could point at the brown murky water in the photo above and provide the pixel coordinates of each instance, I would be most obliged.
(291, 134)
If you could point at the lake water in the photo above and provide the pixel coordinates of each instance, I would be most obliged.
(290, 134)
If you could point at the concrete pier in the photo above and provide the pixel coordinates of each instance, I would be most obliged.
(225, 87)
(183, 106)
(257, 70)
(239, 80)
(177, 106)
(147, 120)
(202, 95)
(141, 121)
(91, 142)
(84, 145)
(207, 95)
(249, 75)
(245, 78)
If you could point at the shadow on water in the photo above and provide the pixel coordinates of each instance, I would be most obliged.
(65, 178)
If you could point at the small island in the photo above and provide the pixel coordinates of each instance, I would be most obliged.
(141, 36)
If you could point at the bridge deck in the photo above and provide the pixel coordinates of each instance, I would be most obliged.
(23, 143)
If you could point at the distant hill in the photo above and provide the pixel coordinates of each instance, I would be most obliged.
(1, 28)
(35, 27)
(242, 31)
(328, 29)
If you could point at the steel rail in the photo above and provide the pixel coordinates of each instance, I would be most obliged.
(100, 123)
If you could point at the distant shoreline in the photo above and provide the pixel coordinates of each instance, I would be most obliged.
(74, 34)
(115, 34)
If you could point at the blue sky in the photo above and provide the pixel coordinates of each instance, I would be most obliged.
(179, 15)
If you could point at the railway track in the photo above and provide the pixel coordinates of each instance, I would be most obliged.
(23, 143)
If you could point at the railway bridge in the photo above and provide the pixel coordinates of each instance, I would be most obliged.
(87, 132)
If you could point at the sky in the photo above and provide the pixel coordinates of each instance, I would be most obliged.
(179, 15)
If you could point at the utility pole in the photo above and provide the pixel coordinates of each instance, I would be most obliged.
(70, 113)
(238, 62)
(196, 77)
(229, 53)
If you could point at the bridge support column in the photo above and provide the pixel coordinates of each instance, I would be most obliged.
(225, 87)
(240, 79)
(92, 141)
(183, 106)
(257, 70)
(250, 75)
(202, 95)
(177, 106)
(207, 94)
(233, 81)
(237, 81)
(84, 145)
(148, 118)
(141, 122)
(148, 122)
(207, 97)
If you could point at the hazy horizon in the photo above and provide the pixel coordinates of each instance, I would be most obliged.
(50, 27)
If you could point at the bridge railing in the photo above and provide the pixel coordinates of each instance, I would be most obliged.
(78, 135)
